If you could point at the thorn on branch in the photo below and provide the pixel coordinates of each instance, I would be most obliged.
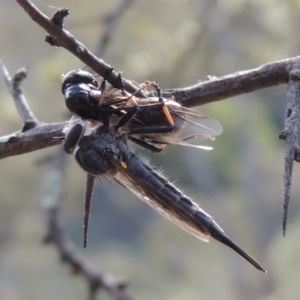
(283, 134)
(51, 41)
(297, 154)
(289, 135)
(29, 125)
(58, 17)
(58, 21)
(18, 78)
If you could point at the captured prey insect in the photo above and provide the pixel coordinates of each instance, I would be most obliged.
(89, 100)
(103, 151)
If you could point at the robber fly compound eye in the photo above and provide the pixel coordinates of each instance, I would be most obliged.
(72, 138)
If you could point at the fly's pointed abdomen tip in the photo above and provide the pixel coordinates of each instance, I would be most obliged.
(218, 233)
(228, 242)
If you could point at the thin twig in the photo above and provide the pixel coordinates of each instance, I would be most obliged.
(290, 135)
(208, 91)
(110, 24)
(14, 87)
(34, 135)
(60, 37)
(39, 137)
(220, 88)
(216, 89)
(67, 250)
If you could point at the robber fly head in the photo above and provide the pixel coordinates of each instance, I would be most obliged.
(78, 76)
(82, 94)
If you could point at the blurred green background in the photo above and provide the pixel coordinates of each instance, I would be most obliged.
(176, 43)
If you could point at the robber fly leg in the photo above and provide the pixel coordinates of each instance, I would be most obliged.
(164, 106)
(132, 100)
(161, 100)
(121, 82)
(146, 145)
(127, 117)
(87, 206)
(102, 87)
(149, 130)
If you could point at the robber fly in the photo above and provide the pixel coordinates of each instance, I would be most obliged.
(103, 151)
(89, 100)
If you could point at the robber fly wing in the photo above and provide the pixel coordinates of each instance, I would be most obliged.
(158, 201)
(176, 207)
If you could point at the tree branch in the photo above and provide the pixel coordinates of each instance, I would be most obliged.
(290, 135)
(14, 87)
(34, 135)
(235, 84)
(216, 89)
(39, 137)
(60, 37)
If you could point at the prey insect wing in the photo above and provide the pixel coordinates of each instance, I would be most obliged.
(191, 128)
(85, 99)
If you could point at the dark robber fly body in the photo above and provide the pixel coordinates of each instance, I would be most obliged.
(103, 151)
(88, 100)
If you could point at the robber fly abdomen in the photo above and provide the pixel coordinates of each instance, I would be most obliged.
(105, 152)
